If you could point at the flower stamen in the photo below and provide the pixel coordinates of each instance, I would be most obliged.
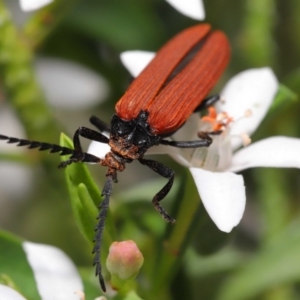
(218, 121)
(246, 140)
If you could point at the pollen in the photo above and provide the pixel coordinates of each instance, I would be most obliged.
(218, 121)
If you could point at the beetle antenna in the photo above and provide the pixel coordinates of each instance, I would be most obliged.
(40, 145)
(106, 192)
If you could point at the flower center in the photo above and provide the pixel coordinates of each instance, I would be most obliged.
(218, 121)
(218, 155)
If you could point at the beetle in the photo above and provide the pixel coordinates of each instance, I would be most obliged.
(156, 104)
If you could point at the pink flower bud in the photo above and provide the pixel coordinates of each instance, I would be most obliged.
(124, 260)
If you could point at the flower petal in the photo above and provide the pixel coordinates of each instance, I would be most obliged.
(190, 8)
(70, 85)
(54, 272)
(98, 149)
(223, 196)
(252, 90)
(278, 152)
(28, 5)
(8, 293)
(135, 61)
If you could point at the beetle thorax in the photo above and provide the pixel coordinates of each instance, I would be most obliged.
(129, 140)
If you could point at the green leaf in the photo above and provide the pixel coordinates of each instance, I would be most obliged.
(284, 96)
(83, 192)
(292, 80)
(14, 268)
(274, 265)
(85, 198)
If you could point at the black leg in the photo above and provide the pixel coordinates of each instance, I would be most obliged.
(88, 134)
(167, 173)
(79, 155)
(99, 124)
(106, 192)
(209, 101)
(205, 141)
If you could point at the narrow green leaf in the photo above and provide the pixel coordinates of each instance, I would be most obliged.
(284, 96)
(80, 174)
(82, 189)
(292, 80)
(87, 212)
(85, 198)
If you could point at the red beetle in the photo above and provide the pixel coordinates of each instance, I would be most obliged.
(155, 106)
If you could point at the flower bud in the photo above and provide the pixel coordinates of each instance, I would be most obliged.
(124, 260)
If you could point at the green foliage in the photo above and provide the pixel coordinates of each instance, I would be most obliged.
(273, 266)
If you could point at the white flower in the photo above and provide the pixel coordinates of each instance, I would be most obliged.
(191, 8)
(55, 274)
(28, 5)
(247, 98)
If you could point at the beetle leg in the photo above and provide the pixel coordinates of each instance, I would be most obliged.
(106, 192)
(209, 101)
(99, 124)
(88, 134)
(167, 173)
(79, 155)
(205, 141)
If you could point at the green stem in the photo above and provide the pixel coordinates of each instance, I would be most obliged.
(18, 80)
(256, 33)
(177, 238)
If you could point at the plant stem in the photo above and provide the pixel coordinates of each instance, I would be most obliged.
(19, 83)
(178, 237)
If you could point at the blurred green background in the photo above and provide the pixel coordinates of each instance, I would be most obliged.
(260, 259)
